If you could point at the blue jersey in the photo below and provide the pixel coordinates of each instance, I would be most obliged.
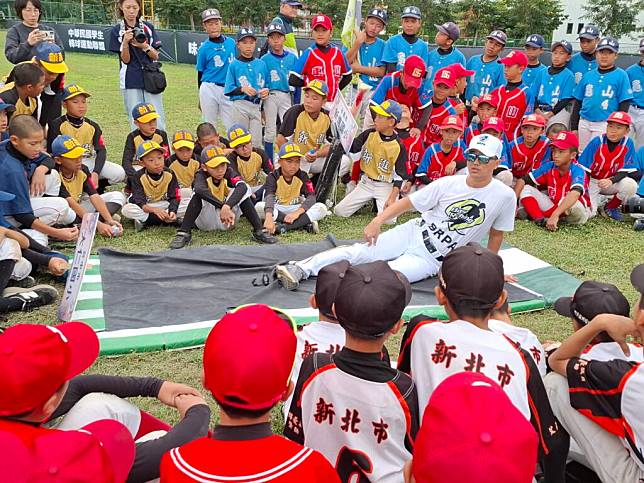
(601, 93)
(549, 89)
(397, 49)
(579, 66)
(639, 162)
(14, 178)
(278, 67)
(531, 73)
(487, 77)
(213, 59)
(371, 56)
(245, 74)
(636, 76)
(438, 61)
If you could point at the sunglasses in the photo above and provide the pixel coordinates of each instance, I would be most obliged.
(471, 157)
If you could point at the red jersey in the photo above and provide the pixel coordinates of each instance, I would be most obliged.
(439, 113)
(390, 88)
(559, 185)
(328, 65)
(512, 106)
(603, 163)
(266, 458)
(470, 131)
(524, 159)
(435, 160)
(415, 150)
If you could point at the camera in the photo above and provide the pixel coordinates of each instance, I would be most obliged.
(633, 205)
(49, 35)
(139, 35)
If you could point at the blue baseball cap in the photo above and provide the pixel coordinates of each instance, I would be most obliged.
(290, 150)
(589, 32)
(4, 196)
(562, 43)
(535, 40)
(67, 147)
(245, 32)
(380, 14)
(388, 108)
(4, 106)
(51, 57)
(144, 112)
(499, 35)
(275, 28)
(608, 43)
(411, 12)
(147, 147)
(450, 29)
(316, 85)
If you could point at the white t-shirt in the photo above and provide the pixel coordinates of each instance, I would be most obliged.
(525, 338)
(608, 351)
(456, 213)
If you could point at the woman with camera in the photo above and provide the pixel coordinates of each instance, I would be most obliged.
(137, 44)
(24, 37)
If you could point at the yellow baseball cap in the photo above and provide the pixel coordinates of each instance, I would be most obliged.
(144, 112)
(213, 156)
(147, 147)
(73, 90)
(51, 58)
(290, 150)
(318, 86)
(238, 135)
(67, 147)
(183, 139)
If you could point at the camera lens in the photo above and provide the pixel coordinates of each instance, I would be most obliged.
(633, 205)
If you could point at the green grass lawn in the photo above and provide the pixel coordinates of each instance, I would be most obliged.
(602, 249)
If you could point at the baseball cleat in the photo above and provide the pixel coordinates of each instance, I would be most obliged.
(262, 236)
(289, 276)
(614, 213)
(181, 239)
(638, 225)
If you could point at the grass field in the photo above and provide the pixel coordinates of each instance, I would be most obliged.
(602, 249)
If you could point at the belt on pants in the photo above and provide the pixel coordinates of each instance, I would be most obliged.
(430, 247)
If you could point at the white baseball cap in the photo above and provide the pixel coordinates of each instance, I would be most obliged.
(487, 145)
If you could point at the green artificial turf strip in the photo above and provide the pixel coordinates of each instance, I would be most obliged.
(602, 249)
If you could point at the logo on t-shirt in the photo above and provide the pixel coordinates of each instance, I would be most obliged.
(465, 214)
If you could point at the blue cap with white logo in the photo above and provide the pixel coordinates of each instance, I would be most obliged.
(411, 12)
(567, 46)
(535, 40)
(379, 14)
(275, 28)
(245, 32)
(608, 43)
(589, 32)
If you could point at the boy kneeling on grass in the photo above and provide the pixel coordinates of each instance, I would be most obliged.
(155, 190)
(77, 187)
(226, 196)
(290, 196)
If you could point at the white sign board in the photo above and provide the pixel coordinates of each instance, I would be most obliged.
(77, 270)
(345, 125)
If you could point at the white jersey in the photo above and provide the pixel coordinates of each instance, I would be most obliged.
(456, 213)
(525, 338)
(318, 336)
(439, 350)
(608, 351)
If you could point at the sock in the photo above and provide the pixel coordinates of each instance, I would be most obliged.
(615, 202)
(102, 184)
(112, 207)
(249, 211)
(192, 213)
(153, 220)
(532, 208)
(301, 222)
(270, 151)
(6, 268)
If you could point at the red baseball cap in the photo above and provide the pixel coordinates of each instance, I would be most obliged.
(36, 360)
(565, 140)
(321, 20)
(459, 71)
(620, 117)
(249, 357)
(515, 57)
(103, 449)
(414, 71)
(471, 431)
(445, 76)
(489, 99)
(495, 123)
(534, 120)
(452, 122)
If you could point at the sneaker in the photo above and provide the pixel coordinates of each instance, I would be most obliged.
(614, 213)
(26, 282)
(639, 224)
(9, 291)
(181, 239)
(313, 227)
(262, 236)
(280, 229)
(541, 222)
(138, 226)
(44, 295)
(289, 276)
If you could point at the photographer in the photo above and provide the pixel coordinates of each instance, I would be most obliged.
(137, 44)
(24, 37)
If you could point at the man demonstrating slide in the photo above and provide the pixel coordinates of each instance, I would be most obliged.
(455, 210)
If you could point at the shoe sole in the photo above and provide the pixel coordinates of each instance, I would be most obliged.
(286, 279)
(7, 292)
(182, 246)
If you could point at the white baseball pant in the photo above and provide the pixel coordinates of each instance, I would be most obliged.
(276, 104)
(365, 191)
(10, 250)
(623, 189)
(604, 452)
(637, 129)
(577, 214)
(209, 218)
(112, 172)
(249, 116)
(135, 212)
(215, 106)
(588, 130)
(117, 197)
(315, 212)
(402, 247)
